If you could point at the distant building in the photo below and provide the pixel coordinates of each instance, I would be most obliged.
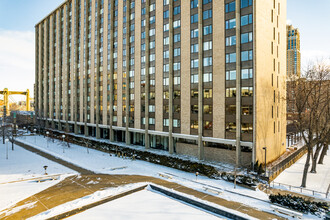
(204, 77)
(293, 52)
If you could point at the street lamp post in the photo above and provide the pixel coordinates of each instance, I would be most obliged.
(35, 135)
(63, 136)
(47, 133)
(12, 139)
(265, 149)
(6, 140)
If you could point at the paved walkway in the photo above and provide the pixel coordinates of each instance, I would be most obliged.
(75, 187)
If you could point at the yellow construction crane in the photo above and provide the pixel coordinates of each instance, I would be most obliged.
(6, 93)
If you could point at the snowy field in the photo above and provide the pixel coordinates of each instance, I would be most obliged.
(22, 165)
(101, 162)
(144, 205)
(315, 181)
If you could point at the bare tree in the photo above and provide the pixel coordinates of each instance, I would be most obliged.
(312, 111)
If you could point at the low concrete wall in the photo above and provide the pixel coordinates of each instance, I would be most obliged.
(214, 154)
(198, 204)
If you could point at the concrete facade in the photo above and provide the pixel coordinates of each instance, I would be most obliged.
(208, 72)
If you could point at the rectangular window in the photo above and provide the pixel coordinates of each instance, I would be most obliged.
(247, 73)
(166, 14)
(207, 14)
(207, 93)
(207, 77)
(176, 80)
(194, 78)
(230, 7)
(207, 30)
(247, 109)
(166, 54)
(177, 38)
(177, 52)
(231, 75)
(194, 33)
(194, 18)
(247, 91)
(151, 121)
(246, 55)
(246, 38)
(194, 63)
(246, 3)
(176, 24)
(176, 123)
(152, 108)
(166, 122)
(177, 10)
(194, 48)
(176, 66)
(206, 1)
(207, 45)
(231, 58)
(230, 92)
(231, 23)
(166, 67)
(230, 41)
(194, 3)
(166, 40)
(246, 19)
(166, 27)
(207, 61)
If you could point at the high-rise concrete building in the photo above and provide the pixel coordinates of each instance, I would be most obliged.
(293, 52)
(202, 77)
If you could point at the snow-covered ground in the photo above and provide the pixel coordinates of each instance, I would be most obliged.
(20, 165)
(104, 163)
(144, 205)
(315, 181)
(101, 162)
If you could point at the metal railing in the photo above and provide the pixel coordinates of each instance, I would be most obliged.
(300, 189)
(287, 162)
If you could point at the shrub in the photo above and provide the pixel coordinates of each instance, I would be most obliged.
(300, 204)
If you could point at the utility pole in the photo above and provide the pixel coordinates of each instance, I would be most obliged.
(3, 124)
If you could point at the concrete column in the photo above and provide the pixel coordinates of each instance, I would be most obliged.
(170, 101)
(66, 72)
(127, 134)
(51, 74)
(75, 67)
(45, 99)
(111, 135)
(97, 64)
(238, 83)
(254, 146)
(200, 81)
(146, 133)
(85, 87)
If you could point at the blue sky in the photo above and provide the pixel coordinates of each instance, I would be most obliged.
(18, 17)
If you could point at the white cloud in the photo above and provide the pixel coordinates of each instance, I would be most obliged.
(17, 60)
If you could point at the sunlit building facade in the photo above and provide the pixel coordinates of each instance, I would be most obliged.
(204, 78)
